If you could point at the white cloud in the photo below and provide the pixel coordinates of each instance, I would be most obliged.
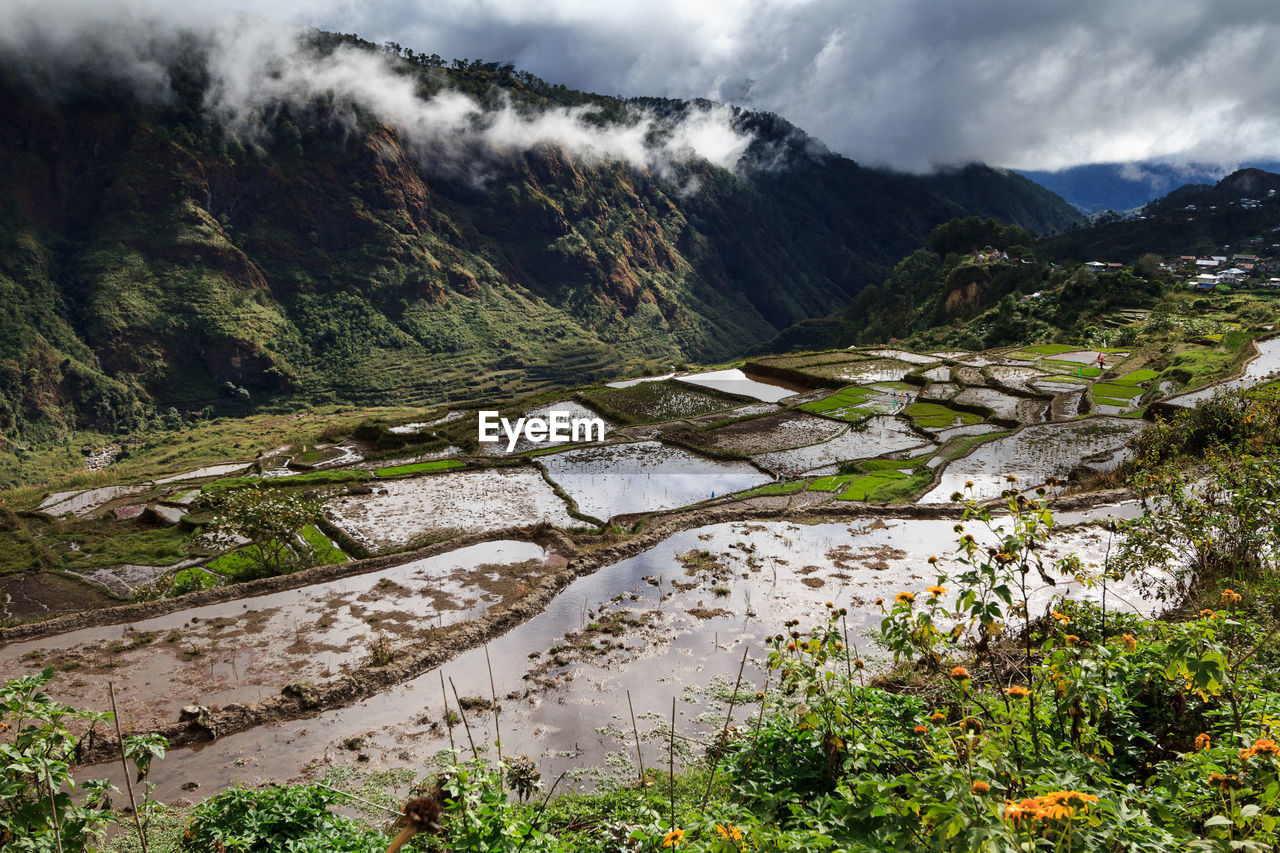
(909, 83)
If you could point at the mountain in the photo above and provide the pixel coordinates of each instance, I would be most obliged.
(1236, 214)
(158, 252)
(1098, 187)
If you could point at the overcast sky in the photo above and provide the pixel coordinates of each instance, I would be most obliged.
(1032, 84)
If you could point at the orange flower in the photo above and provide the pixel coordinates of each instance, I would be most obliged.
(1061, 805)
(979, 787)
(1017, 691)
(938, 717)
(1202, 742)
(1206, 614)
(920, 730)
(1224, 782)
(933, 560)
(936, 590)
(1262, 746)
(673, 838)
(879, 602)
(729, 833)
(1130, 642)
(959, 673)
(1061, 617)
(858, 664)
(1230, 596)
(904, 598)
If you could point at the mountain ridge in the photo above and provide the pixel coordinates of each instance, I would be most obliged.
(152, 258)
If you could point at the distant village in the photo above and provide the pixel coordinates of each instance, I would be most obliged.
(1256, 267)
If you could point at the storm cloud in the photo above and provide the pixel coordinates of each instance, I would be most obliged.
(907, 83)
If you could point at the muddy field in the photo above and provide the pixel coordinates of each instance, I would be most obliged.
(400, 512)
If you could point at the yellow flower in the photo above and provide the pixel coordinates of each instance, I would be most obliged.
(904, 598)
(1017, 691)
(1061, 617)
(673, 838)
(879, 602)
(1230, 596)
(731, 833)
(1202, 742)
(936, 590)
(1206, 614)
(1130, 642)
(980, 787)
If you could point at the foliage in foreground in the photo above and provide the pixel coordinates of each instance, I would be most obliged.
(41, 806)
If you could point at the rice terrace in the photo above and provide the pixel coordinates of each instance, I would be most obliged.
(860, 432)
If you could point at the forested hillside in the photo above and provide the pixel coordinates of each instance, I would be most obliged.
(156, 252)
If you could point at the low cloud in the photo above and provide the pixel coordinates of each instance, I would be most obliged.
(255, 64)
(907, 83)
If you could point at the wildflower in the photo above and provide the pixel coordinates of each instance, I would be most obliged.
(791, 647)
(1206, 614)
(936, 590)
(968, 537)
(879, 602)
(1063, 618)
(973, 725)
(830, 605)
(933, 561)
(1130, 642)
(1202, 742)
(938, 717)
(858, 664)
(920, 730)
(979, 787)
(959, 673)
(759, 695)
(1061, 805)
(1230, 596)
(959, 528)
(1027, 809)
(1073, 640)
(1017, 691)
(1224, 783)
(1262, 746)
(904, 598)
(968, 484)
(1011, 478)
(672, 838)
(729, 833)
(839, 647)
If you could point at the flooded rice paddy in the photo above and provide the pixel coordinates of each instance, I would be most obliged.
(876, 436)
(734, 381)
(398, 512)
(243, 650)
(644, 476)
(1033, 455)
(672, 621)
(1265, 366)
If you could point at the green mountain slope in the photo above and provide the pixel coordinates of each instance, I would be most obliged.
(150, 257)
